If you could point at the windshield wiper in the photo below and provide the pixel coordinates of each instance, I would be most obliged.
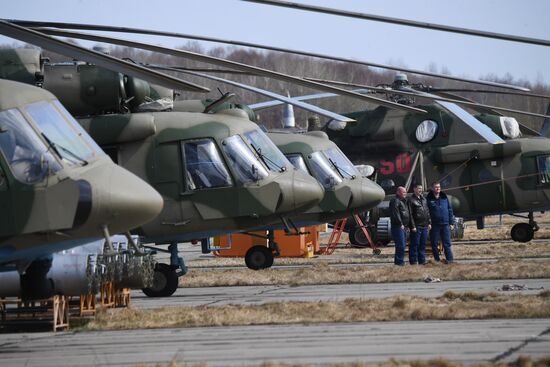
(340, 170)
(266, 159)
(56, 148)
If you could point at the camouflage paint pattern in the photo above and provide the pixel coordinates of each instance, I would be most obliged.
(192, 214)
(72, 203)
(348, 197)
(482, 178)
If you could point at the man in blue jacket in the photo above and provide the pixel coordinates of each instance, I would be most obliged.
(442, 218)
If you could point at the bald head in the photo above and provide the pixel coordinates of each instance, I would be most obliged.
(401, 192)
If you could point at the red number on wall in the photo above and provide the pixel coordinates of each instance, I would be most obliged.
(402, 164)
(386, 167)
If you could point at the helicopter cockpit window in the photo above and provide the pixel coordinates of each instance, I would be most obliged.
(298, 162)
(267, 151)
(426, 131)
(204, 166)
(79, 130)
(543, 163)
(324, 171)
(29, 158)
(64, 139)
(342, 164)
(247, 167)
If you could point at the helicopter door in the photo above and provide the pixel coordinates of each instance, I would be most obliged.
(6, 220)
(168, 182)
(543, 179)
(488, 191)
(208, 180)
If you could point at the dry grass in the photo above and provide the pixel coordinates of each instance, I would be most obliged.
(321, 273)
(521, 361)
(499, 233)
(500, 230)
(348, 255)
(450, 306)
(491, 250)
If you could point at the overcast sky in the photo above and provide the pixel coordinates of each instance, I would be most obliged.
(364, 40)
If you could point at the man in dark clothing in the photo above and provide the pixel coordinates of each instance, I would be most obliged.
(420, 224)
(400, 221)
(442, 217)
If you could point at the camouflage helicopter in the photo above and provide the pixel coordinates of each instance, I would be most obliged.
(346, 191)
(488, 163)
(57, 188)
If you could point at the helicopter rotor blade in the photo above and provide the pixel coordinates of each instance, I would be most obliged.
(437, 90)
(546, 124)
(106, 61)
(481, 109)
(231, 64)
(263, 92)
(483, 131)
(429, 96)
(269, 104)
(404, 22)
(210, 70)
(260, 46)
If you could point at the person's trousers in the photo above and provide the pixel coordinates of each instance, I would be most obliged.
(417, 246)
(399, 237)
(443, 233)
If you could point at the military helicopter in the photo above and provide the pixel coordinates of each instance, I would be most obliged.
(346, 190)
(57, 188)
(488, 163)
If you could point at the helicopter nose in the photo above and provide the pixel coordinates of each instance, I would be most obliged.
(306, 191)
(128, 201)
(371, 194)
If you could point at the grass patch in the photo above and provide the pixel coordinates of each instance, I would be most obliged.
(322, 273)
(450, 306)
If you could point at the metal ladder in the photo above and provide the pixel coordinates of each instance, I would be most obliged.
(337, 230)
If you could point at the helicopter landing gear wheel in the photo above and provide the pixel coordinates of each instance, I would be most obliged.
(522, 232)
(357, 238)
(165, 282)
(259, 257)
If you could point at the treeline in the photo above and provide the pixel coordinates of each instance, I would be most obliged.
(322, 69)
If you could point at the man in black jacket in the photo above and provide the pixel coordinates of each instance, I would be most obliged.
(400, 222)
(420, 224)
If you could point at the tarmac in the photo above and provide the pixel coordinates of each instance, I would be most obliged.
(251, 295)
(464, 341)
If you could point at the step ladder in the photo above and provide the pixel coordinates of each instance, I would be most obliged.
(334, 239)
(337, 230)
(372, 245)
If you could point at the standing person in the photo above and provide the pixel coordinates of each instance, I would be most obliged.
(420, 224)
(442, 218)
(400, 221)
